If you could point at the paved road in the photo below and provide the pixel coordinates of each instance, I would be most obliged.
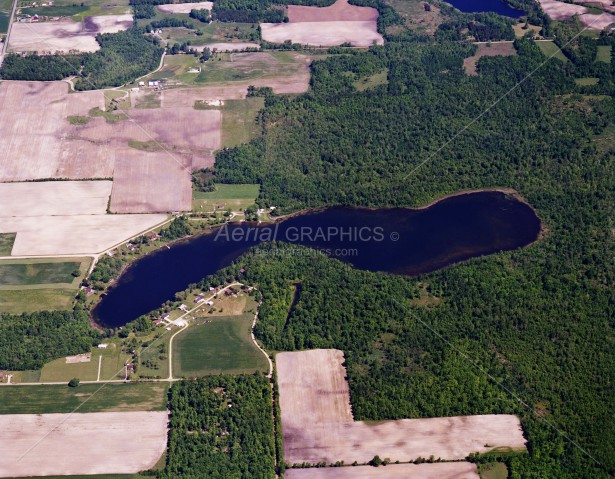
(8, 33)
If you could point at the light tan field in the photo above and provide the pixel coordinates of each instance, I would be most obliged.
(317, 422)
(559, 10)
(324, 34)
(54, 198)
(442, 470)
(597, 21)
(604, 4)
(185, 7)
(66, 235)
(151, 182)
(488, 50)
(339, 11)
(65, 36)
(34, 136)
(76, 444)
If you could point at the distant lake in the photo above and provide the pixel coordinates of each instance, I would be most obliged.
(497, 6)
(395, 240)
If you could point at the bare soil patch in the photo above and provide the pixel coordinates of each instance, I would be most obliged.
(65, 35)
(604, 4)
(79, 234)
(80, 358)
(323, 34)
(151, 182)
(339, 11)
(227, 47)
(444, 470)
(185, 7)
(54, 198)
(597, 21)
(76, 444)
(561, 11)
(317, 421)
(493, 49)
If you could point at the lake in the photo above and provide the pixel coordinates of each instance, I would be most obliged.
(497, 6)
(396, 240)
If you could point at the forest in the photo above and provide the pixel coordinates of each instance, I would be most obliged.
(221, 427)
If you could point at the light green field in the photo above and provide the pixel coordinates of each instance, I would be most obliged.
(222, 346)
(92, 398)
(550, 49)
(493, 470)
(5, 12)
(6, 243)
(239, 121)
(42, 272)
(604, 54)
(586, 81)
(372, 81)
(154, 359)
(30, 300)
(236, 197)
(111, 366)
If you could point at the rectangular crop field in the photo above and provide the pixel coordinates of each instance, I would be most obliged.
(323, 34)
(111, 397)
(13, 301)
(443, 470)
(184, 7)
(550, 49)
(93, 443)
(239, 121)
(39, 272)
(221, 346)
(236, 197)
(318, 426)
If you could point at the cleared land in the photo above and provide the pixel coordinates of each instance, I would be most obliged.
(185, 7)
(550, 49)
(236, 197)
(239, 121)
(6, 243)
(504, 49)
(151, 182)
(221, 346)
(561, 11)
(603, 54)
(228, 46)
(318, 426)
(597, 21)
(324, 34)
(451, 470)
(604, 4)
(83, 234)
(326, 26)
(54, 198)
(42, 272)
(27, 301)
(81, 443)
(66, 35)
(113, 397)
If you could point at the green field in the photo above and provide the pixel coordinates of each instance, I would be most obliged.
(30, 273)
(239, 121)
(222, 346)
(586, 81)
(236, 197)
(550, 49)
(5, 12)
(372, 81)
(78, 10)
(604, 54)
(93, 397)
(56, 11)
(493, 470)
(6, 243)
(30, 300)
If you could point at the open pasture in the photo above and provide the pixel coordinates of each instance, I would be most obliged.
(54, 198)
(444, 470)
(17, 301)
(488, 50)
(557, 10)
(52, 272)
(235, 197)
(318, 426)
(603, 54)
(323, 34)
(65, 35)
(68, 444)
(110, 397)
(551, 50)
(185, 7)
(340, 11)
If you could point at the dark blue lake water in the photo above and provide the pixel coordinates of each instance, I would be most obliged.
(398, 240)
(497, 6)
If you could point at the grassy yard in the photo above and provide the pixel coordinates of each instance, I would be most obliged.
(236, 197)
(550, 49)
(604, 54)
(93, 398)
(220, 345)
(30, 300)
(6, 242)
